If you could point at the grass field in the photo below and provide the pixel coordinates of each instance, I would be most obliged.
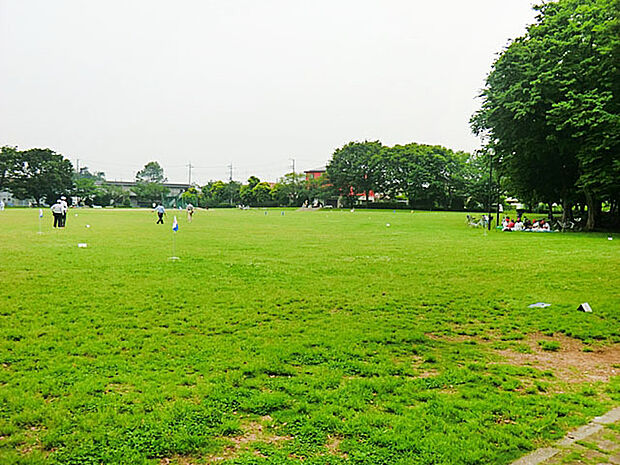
(309, 337)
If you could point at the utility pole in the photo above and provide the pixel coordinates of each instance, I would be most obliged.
(189, 179)
(77, 166)
(293, 160)
(230, 167)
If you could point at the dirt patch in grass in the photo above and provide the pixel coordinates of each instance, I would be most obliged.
(253, 432)
(569, 362)
(333, 446)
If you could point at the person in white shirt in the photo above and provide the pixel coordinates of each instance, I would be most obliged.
(160, 213)
(190, 212)
(65, 207)
(57, 210)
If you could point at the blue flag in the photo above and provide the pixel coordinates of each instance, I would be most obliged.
(175, 224)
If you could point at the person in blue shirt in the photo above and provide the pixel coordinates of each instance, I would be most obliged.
(161, 211)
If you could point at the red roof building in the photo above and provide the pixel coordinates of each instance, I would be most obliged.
(314, 174)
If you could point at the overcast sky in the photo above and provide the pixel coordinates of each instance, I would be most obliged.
(118, 83)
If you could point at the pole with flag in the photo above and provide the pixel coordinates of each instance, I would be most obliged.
(175, 228)
(40, 218)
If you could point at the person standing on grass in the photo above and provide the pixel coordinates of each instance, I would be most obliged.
(57, 212)
(161, 211)
(190, 212)
(65, 207)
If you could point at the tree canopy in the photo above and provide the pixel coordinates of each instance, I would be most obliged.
(150, 184)
(423, 176)
(152, 172)
(550, 107)
(355, 169)
(40, 175)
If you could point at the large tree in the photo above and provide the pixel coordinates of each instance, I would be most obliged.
(247, 193)
(42, 176)
(356, 169)
(152, 172)
(150, 184)
(550, 106)
(289, 190)
(427, 175)
(85, 189)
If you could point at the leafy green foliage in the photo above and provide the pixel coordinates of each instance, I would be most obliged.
(149, 186)
(85, 189)
(40, 175)
(191, 195)
(426, 176)
(290, 190)
(9, 164)
(551, 110)
(108, 194)
(355, 169)
(151, 173)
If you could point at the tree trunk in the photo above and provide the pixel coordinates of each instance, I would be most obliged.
(592, 209)
(550, 205)
(567, 211)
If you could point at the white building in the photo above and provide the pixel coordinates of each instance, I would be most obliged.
(11, 201)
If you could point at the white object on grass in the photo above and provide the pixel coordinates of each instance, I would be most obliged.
(585, 307)
(387, 224)
(88, 225)
(539, 305)
(82, 245)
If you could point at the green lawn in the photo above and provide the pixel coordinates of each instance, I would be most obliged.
(310, 337)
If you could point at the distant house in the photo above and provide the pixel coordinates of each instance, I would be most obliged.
(314, 174)
(175, 190)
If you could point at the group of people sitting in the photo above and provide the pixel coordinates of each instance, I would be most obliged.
(525, 224)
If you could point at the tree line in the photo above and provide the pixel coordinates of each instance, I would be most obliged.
(414, 175)
(291, 190)
(417, 175)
